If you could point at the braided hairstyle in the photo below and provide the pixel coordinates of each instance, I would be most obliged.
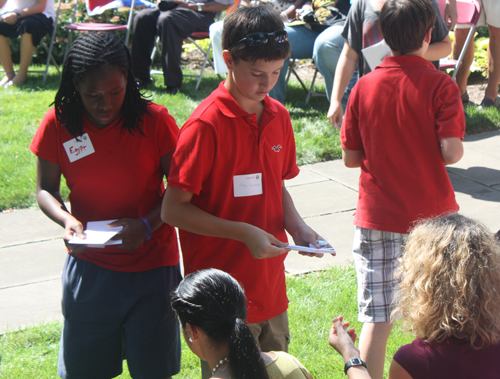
(214, 301)
(89, 53)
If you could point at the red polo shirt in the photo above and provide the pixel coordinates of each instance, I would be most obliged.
(397, 115)
(218, 142)
(122, 178)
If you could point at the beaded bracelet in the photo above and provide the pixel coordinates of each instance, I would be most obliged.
(148, 227)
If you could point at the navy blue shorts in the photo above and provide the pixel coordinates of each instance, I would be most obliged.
(37, 25)
(111, 315)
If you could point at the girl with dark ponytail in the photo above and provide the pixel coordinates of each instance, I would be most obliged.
(114, 149)
(211, 307)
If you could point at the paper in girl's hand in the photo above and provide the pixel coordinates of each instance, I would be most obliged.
(98, 234)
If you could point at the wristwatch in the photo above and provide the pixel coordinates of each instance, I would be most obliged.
(353, 362)
(199, 5)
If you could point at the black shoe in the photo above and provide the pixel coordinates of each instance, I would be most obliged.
(488, 103)
(466, 101)
(172, 90)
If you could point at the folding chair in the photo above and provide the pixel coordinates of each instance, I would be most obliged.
(291, 70)
(196, 36)
(95, 7)
(468, 13)
(50, 57)
(48, 49)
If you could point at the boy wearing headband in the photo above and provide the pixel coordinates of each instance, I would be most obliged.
(225, 189)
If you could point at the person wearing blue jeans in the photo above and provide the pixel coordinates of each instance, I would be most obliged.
(323, 47)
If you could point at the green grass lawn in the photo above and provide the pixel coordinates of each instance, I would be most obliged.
(22, 109)
(314, 300)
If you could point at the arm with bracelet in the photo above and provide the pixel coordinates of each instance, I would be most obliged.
(137, 231)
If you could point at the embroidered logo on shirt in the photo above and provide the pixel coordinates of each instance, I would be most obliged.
(277, 149)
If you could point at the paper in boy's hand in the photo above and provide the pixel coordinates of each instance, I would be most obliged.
(98, 234)
(375, 54)
(327, 249)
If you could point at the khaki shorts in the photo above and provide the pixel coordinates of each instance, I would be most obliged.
(490, 14)
(272, 334)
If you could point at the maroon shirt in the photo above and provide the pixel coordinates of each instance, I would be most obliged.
(452, 358)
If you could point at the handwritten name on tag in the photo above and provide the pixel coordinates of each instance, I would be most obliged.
(78, 149)
(247, 185)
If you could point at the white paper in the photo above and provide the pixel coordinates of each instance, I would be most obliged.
(98, 234)
(323, 250)
(375, 54)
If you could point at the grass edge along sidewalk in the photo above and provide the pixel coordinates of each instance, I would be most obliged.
(316, 140)
(315, 298)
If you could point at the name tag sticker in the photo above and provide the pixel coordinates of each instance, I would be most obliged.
(78, 149)
(247, 185)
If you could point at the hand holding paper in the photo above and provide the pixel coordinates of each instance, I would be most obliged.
(325, 248)
(133, 234)
(98, 234)
(73, 227)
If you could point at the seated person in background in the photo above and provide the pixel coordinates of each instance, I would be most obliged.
(319, 41)
(490, 15)
(211, 307)
(285, 8)
(173, 26)
(30, 19)
(450, 300)
(362, 30)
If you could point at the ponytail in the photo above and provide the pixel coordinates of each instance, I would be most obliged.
(245, 360)
(215, 302)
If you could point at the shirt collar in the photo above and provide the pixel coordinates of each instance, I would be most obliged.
(404, 61)
(230, 107)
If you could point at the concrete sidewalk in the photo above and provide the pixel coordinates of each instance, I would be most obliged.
(32, 253)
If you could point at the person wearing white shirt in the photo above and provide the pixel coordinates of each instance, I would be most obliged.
(30, 19)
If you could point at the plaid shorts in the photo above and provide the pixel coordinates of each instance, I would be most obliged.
(376, 255)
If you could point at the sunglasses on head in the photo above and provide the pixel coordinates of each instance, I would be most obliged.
(262, 38)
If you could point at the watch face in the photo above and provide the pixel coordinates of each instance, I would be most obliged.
(356, 362)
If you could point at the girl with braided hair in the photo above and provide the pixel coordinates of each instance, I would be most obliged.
(211, 307)
(114, 148)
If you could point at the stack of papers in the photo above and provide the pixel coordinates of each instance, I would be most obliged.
(312, 249)
(98, 235)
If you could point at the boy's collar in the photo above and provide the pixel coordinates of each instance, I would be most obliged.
(404, 60)
(230, 107)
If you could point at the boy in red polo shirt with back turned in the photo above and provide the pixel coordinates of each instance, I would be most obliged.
(225, 188)
(403, 123)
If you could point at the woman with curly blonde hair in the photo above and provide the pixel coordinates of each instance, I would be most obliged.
(450, 300)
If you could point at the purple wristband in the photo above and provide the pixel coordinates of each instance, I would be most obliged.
(148, 228)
